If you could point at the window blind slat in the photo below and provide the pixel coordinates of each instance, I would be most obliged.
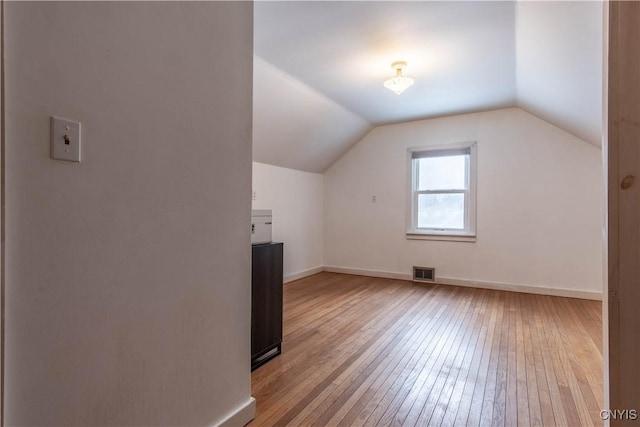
(441, 153)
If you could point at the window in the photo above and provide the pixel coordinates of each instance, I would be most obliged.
(442, 199)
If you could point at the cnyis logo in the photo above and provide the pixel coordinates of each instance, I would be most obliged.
(619, 414)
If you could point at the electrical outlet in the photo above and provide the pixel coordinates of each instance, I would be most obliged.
(253, 195)
(374, 199)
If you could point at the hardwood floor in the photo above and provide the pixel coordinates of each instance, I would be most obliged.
(368, 351)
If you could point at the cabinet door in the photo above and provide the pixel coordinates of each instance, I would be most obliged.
(266, 297)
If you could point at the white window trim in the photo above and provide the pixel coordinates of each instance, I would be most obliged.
(466, 235)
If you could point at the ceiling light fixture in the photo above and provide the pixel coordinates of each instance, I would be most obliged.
(398, 83)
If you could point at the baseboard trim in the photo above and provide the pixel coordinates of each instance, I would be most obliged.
(302, 274)
(500, 286)
(527, 289)
(241, 416)
(368, 273)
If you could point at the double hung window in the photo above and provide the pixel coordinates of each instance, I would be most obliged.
(442, 193)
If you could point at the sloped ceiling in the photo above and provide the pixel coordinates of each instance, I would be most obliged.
(559, 47)
(320, 67)
(295, 126)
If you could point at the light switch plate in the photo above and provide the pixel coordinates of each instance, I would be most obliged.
(65, 139)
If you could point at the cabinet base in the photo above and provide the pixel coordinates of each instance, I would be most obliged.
(265, 356)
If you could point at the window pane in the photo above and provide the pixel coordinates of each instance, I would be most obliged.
(442, 173)
(441, 211)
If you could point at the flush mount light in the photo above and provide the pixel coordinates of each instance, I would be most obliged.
(398, 83)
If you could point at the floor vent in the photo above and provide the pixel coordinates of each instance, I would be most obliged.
(424, 274)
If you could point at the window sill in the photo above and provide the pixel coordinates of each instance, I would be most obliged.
(412, 235)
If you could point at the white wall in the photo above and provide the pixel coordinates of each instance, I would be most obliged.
(296, 199)
(128, 275)
(559, 52)
(539, 215)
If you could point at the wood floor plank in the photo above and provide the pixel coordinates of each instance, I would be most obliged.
(385, 391)
(338, 396)
(344, 411)
(374, 334)
(471, 384)
(565, 356)
(511, 404)
(362, 351)
(360, 410)
(522, 393)
(535, 409)
(477, 400)
(486, 416)
(458, 401)
(446, 405)
(559, 414)
(565, 398)
(412, 405)
(498, 417)
(409, 378)
(448, 366)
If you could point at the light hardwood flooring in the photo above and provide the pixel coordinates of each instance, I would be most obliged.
(368, 351)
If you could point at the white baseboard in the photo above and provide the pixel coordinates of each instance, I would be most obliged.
(369, 273)
(302, 274)
(528, 289)
(241, 416)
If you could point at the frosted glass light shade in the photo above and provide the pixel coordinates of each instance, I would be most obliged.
(398, 83)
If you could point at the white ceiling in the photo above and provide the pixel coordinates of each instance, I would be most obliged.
(464, 57)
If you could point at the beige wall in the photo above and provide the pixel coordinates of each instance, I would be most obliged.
(539, 205)
(128, 274)
(295, 197)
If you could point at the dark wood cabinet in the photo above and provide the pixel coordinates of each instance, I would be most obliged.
(266, 302)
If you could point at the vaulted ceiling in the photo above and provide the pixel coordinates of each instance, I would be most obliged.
(319, 69)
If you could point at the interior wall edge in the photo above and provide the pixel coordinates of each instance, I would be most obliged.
(2, 210)
(241, 416)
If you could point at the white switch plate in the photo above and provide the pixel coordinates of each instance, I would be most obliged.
(65, 139)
